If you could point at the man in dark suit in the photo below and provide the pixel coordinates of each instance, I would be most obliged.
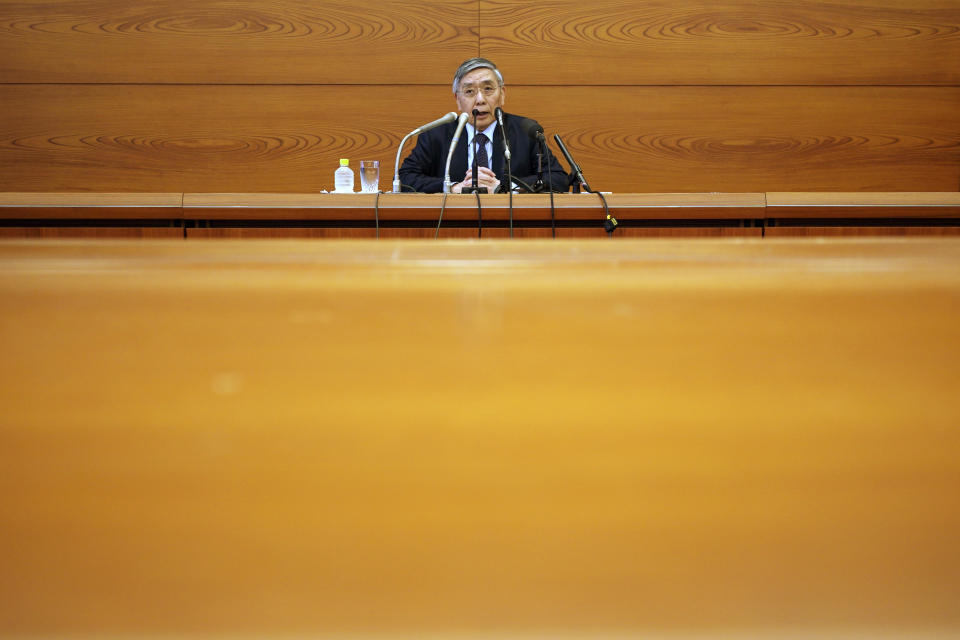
(478, 85)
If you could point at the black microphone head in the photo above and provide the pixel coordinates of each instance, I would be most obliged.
(532, 129)
(476, 112)
(565, 152)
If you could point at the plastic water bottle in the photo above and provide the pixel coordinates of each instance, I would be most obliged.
(343, 178)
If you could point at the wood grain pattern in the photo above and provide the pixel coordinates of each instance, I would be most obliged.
(262, 215)
(409, 206)
(662, 232)
(259, 215)
(653, 439)
(236, 41)
(683, 201)
(746, 139)
(743, 42)
(863, 205)
(91, 233)
(813, 231)
(87, 206)
(82, 199)
(557, 42)
(941, 200)
(668, 139)
(386, 233)
(489, 233)
(205, 138)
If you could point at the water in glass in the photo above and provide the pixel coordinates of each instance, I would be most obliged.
(369, 175)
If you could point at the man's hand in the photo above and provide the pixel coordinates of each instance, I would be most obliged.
(485, 178)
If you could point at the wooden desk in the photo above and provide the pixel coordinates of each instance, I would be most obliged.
(95, 215)
(725, 439)
(408, 214)
(819, 214)
(260, 215)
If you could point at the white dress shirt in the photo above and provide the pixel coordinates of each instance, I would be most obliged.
(471, 144)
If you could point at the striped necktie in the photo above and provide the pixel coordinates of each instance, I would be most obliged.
(481, 140)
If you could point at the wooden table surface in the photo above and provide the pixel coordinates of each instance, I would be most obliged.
(697, 438)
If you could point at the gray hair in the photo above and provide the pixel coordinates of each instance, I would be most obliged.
(470, 65)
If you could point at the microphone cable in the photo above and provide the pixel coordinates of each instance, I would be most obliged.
(609, 223)
(476, 178)
(479, 216)
(498, 112)
(510, 198)
(506, 159)
(521, 183)
(509, 181)
(553, 211)
(443, 204)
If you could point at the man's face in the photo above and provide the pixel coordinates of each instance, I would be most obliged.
(480, 90)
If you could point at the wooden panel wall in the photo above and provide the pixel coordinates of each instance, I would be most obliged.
(736, 95)
(726, 42)
(235, 41)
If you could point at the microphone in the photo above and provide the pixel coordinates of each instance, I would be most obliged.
(506, 145)
(534, 130)
(461, 123)
(450, 117)
(574, 167)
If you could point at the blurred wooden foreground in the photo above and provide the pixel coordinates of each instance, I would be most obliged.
(720, 438)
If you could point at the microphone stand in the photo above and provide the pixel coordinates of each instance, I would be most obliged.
(475, 187)
(535, 132)
(610, 223)
(461, 121)
(396, 165)
(574, 183)
(498, 113)
(538, 185)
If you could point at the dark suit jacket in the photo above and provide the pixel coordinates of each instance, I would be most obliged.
(423, 168)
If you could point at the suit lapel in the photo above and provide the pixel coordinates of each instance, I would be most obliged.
(497, 161)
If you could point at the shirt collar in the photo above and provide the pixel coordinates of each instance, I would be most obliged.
(487, 132)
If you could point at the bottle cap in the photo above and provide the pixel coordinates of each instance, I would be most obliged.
(344, 162)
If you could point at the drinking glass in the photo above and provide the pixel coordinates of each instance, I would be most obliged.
(369, 176)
